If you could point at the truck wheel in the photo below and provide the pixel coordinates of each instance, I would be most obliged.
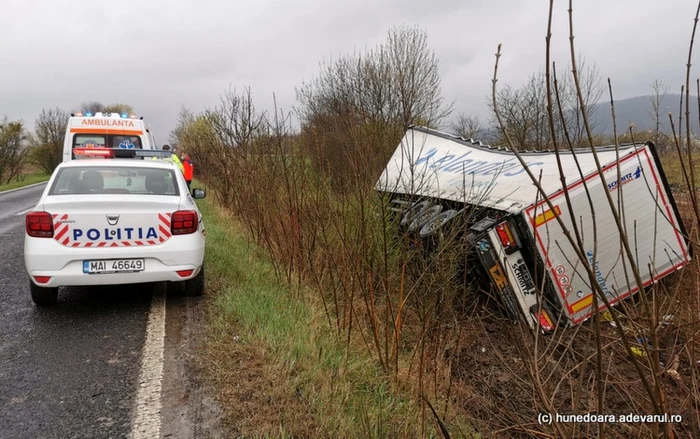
(436, 222)
(416, 209)
(43, 296)
(425, 216)
(195, 286)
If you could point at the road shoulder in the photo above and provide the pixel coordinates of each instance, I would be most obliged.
(189, 406)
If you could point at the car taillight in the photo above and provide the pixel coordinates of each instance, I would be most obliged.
(39, 224)
(184, 222)
(506, 236)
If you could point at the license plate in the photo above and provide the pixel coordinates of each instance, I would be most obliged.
(113, 266)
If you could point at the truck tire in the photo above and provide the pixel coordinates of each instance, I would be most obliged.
(425, 216)
(43, 296)
(413, 211)
(195, 287)
(436, 222)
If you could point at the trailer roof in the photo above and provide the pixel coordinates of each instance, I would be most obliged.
(434, 164)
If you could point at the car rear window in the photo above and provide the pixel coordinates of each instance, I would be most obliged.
(99, 140)
(114, 180)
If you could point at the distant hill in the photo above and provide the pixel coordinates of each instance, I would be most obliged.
(638, 111)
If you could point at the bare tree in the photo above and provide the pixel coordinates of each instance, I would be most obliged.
(524, 113)
(524, 109)
(12, 149)
(118, 108)
(592, 89)
(467, 127)
(358, 107)
(185, 119)
(660, 90)
(416, 77)
(236, 121)
(396, 82)
(92, 107)
(98, 107)
(47, 140)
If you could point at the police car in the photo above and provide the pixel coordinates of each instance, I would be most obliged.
(112, 217)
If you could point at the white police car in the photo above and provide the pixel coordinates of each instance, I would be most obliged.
(114, 216)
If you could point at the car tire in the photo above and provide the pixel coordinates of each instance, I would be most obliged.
(195, 287)
(43, 296)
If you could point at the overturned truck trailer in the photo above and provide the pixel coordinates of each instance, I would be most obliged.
(516, 238)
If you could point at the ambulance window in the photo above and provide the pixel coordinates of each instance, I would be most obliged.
(89, 141)
(107, 141)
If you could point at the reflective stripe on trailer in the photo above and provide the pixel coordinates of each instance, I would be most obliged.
(63, 236)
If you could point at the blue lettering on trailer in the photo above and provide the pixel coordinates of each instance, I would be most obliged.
(112, 234)
(598, 274)
(624, 179)
(450, 163)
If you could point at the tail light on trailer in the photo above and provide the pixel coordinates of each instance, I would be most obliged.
(184, 222)
(39, 224)
(507, 238)
(543, 317)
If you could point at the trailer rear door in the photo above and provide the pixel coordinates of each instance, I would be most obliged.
(655, 233)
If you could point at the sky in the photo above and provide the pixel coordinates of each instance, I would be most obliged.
(159, 55)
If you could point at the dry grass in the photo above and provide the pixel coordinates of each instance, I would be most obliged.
(280, 370)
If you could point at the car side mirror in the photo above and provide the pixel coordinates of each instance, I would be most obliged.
(198, 194)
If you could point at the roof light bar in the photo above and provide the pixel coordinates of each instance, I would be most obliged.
(92, 152)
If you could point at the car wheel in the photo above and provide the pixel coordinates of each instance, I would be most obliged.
(195, 286)
(43, 296)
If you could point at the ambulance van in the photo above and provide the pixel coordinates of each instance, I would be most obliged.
(106, 130)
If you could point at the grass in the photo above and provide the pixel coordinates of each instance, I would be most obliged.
(25, 180)
(279, 369)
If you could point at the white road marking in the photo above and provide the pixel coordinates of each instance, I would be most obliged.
(25, 212)
(146, 422)
(22, 188)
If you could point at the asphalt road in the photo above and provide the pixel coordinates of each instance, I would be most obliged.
(72, 370)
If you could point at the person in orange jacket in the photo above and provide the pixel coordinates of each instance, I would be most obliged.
(189, 169)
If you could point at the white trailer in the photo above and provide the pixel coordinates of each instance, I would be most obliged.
(519, 241)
